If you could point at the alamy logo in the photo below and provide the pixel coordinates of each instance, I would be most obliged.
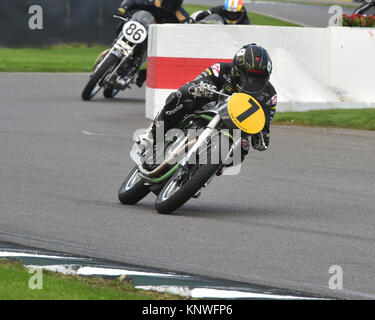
(36, 280)
(36, 19)
(336, 19)
(336, 280)
(218, 147)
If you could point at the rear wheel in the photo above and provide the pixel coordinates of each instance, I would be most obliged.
(95, 83)
(133, 189)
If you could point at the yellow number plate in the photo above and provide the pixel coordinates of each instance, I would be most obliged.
(246, 113)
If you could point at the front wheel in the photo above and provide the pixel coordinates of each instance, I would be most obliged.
(110, 93)
(95, 83)
(180, 189)
(133, 189)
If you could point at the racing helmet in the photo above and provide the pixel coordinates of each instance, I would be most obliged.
(233, 10)
(251, 69)
(171, 5)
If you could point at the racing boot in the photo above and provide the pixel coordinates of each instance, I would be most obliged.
(141, 78)
(145, 141)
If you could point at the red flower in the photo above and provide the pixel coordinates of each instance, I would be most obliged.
(357, 20)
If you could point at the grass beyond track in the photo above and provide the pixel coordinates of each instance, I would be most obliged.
(361, 119)
(14, 285)
(255, 18)
(61, 58)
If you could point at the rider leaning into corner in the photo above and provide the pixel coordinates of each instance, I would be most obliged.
(232, 12)
(249, 73)
(164, 11)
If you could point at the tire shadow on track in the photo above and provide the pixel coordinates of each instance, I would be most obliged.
(116, 100)
(208, 211)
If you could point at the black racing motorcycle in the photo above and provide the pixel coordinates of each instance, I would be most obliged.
(116, 68)
(176, 168)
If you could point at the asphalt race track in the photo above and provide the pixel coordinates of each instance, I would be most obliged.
(296, 210)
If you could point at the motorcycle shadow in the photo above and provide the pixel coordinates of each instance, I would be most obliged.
(220, 211)
(224, 211)
(117, 100)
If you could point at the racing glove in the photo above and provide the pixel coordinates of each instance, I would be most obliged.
(120, 12)
(245, 147)
(201, 15)
(202, 90)
(260, 141)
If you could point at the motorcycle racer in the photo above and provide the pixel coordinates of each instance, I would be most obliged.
(249, 73)
(164, 11)
(233, 12)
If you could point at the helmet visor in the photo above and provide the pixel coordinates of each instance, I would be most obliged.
(252, 84)
(233, 16)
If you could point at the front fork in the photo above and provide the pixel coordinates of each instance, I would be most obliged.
(122, 50)
(202, 139)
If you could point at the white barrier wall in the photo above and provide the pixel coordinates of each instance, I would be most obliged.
(314, 68)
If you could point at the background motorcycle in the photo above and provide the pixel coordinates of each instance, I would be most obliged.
(368, 7)
(177, 178)
(210, 19)
(116, 68)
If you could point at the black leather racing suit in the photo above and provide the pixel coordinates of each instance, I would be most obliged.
(220, 10)
(160, 14)
(183, 101)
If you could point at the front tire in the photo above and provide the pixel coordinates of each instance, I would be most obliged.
(172, 196)
(133, 189)
(110, 93)
(93, 85)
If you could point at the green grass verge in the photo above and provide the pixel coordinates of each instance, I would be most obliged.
(262, 20)
(329, 4)
(361, 119)
(61, 58)
(324, 4)
(255, 18)
(14, 285)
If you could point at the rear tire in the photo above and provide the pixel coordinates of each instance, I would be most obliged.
(133, 189)
(167, 203)
(92, 86)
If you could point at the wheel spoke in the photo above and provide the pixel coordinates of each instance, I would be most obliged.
(172, 188)
(132, 181)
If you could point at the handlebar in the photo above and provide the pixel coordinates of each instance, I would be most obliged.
(218, 93)
(120, 17)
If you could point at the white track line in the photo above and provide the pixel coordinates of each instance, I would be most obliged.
(6, 254)
(186, 291)
(201, 293)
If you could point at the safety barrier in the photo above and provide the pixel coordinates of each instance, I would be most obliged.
(314, 68)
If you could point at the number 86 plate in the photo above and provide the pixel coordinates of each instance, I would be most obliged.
(134, 32)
